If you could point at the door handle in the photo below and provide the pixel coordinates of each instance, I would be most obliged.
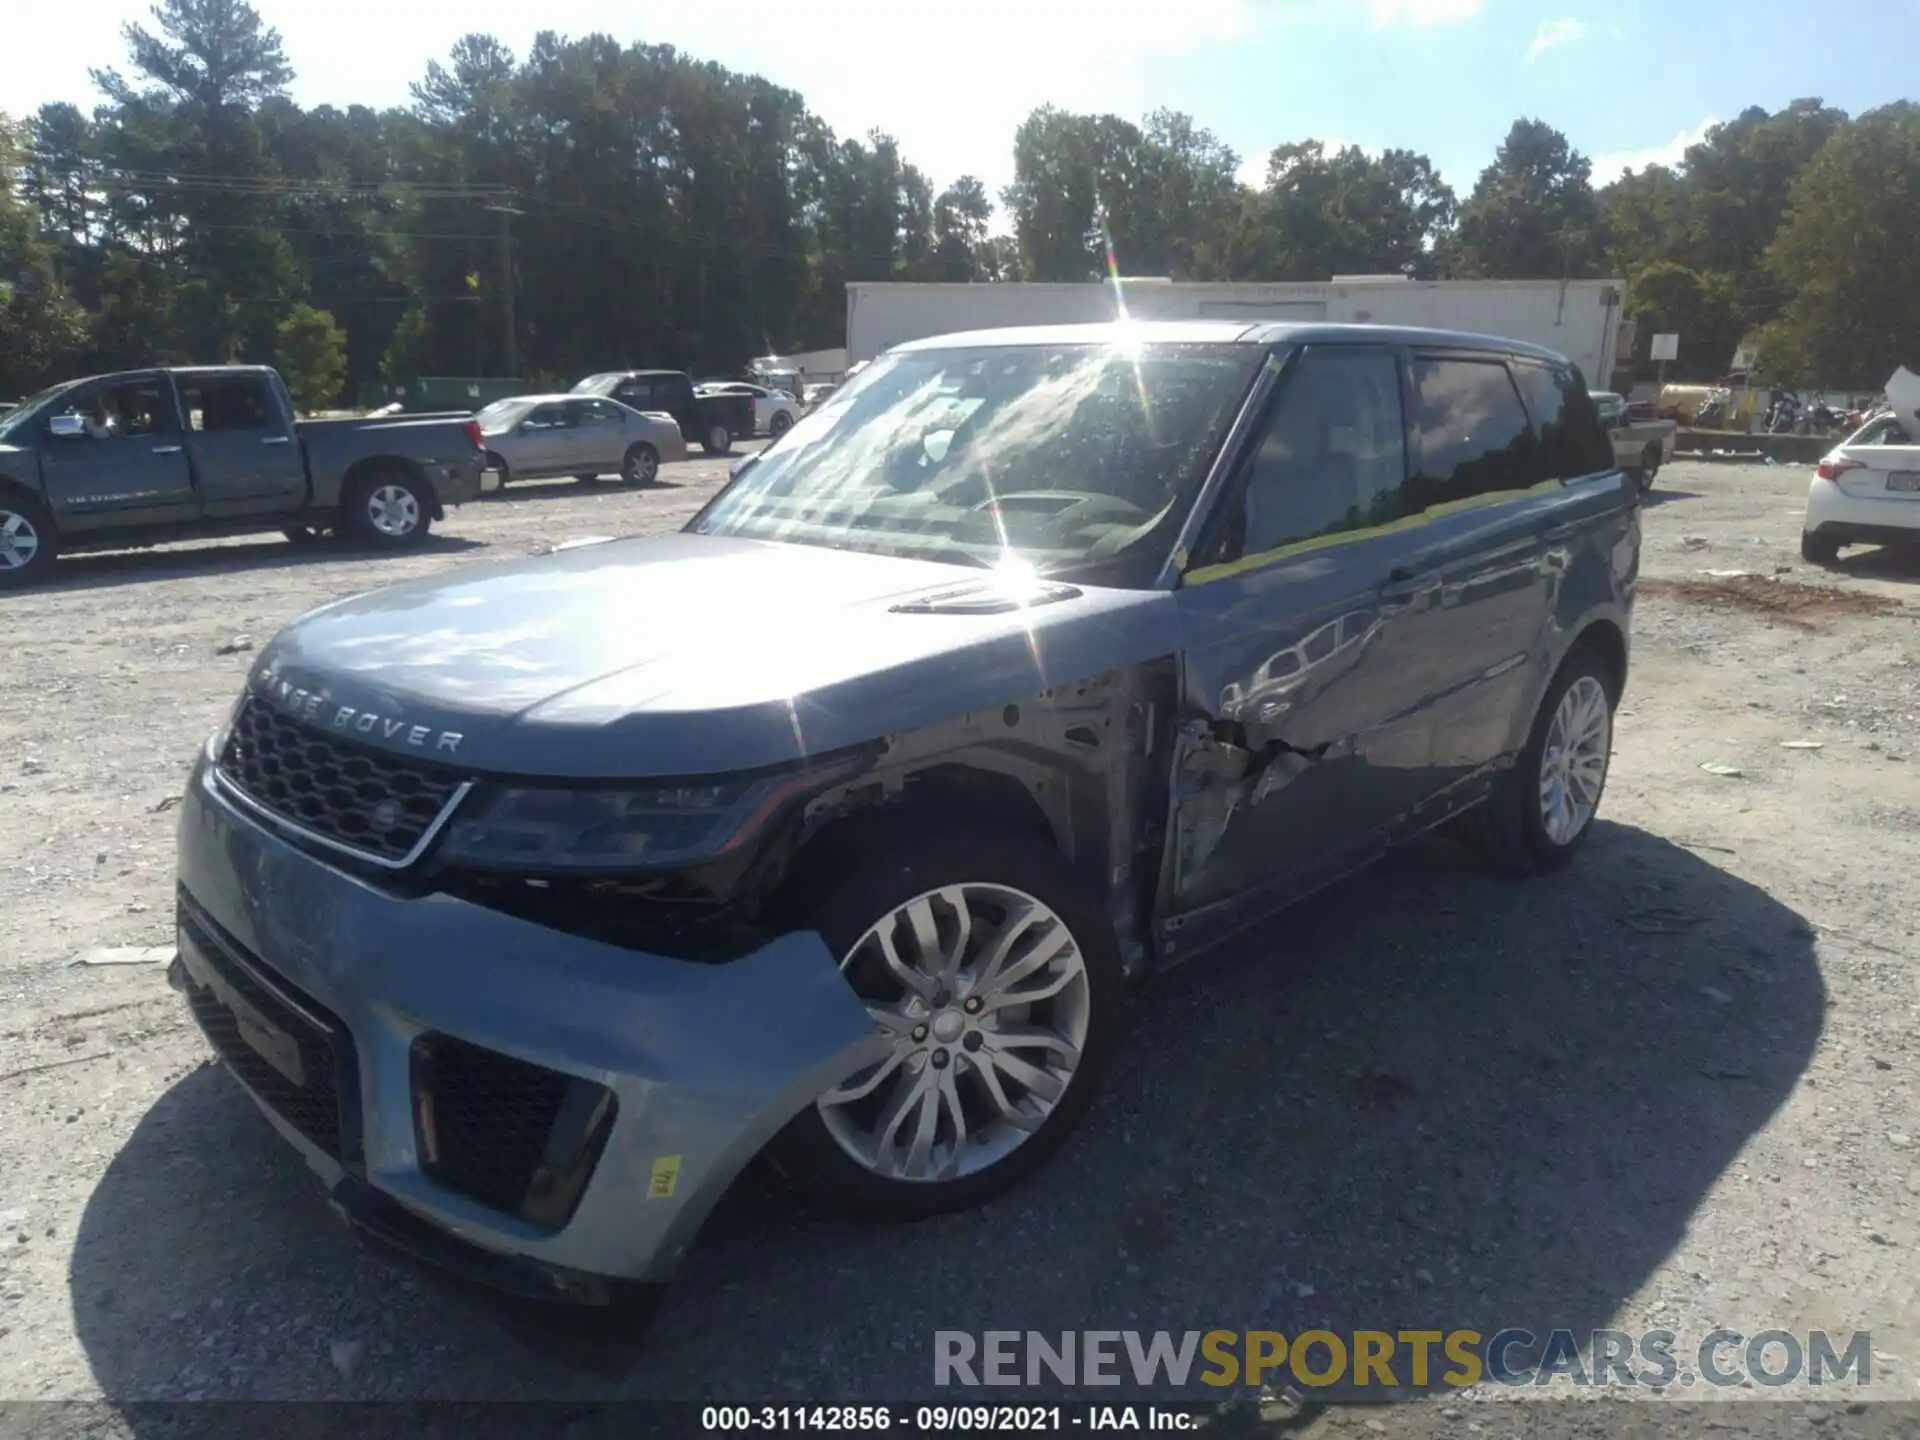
(167, 449)
(277, 440)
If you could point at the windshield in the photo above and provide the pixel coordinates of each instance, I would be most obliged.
(500, 414)
(1058, 457)
(19, 415)
(598, 384)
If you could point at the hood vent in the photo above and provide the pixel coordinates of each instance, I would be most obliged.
(985, 597)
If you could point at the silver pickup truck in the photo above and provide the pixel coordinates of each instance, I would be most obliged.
(1640, 447)
(146, 456)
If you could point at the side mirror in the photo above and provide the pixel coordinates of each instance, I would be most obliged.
(67, 427)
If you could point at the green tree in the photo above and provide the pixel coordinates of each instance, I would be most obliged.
(42, 330)
(1845, 256)
(1091, 192)
(1739, 179)
(191, 115)
(1701, 307)
(1322, 214)
(1532, 214)
(312, 357)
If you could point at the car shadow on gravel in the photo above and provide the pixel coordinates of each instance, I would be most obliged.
(132, 567)
(1898, 563)
(1656, 497)
(1427, 1099)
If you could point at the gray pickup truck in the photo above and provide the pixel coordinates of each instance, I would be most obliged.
(146, 456)
(1640, 447)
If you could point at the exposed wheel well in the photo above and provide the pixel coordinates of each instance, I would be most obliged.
(1604, 639)
(941, 798)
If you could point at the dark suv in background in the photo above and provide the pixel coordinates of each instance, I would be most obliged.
(1036, 660)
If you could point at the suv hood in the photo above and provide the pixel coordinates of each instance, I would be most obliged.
(688, 654)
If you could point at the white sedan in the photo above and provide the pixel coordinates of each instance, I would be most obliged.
(774, 411)
(1867, 489)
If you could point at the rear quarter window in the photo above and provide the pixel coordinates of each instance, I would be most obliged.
(1567, 420)
(1472, 437)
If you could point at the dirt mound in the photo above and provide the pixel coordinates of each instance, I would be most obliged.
(1800, 606)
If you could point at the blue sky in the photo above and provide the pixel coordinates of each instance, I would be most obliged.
(1630, 82)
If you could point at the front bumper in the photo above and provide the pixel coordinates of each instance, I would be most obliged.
(1833, 514)
(705, 1063)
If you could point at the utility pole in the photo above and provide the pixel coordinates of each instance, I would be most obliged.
(510, 346)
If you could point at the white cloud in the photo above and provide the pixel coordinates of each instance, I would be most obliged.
(1387, 13)
(1552, 34)
(1610, 166)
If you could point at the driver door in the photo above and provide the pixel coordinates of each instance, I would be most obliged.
(127, 466)
(1307, 737)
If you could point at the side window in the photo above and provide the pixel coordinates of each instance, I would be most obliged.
(584, 412)
(607, 411)
(548, 417)
(1330, 458)
(111, 412)
(636, 393)
(241, 402)
(1471, 435)
(1566, 419)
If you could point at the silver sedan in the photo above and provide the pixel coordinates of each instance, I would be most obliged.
(535, 437)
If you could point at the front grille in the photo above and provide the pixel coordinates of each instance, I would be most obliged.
(322, 1103)
(377, 803)
(515, 1136)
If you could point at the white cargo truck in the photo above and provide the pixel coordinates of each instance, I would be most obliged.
(1578, 318)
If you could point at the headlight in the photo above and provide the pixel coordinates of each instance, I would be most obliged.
(622, 827)
(217, 741)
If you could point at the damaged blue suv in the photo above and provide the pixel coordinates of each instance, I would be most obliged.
(533, 901)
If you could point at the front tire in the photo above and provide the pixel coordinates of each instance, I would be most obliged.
(1543, 808)
(991, 969)
(28, 542)
(719, 439)
(390, 510)
(1819, 549)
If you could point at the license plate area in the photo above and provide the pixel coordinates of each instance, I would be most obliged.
(1904, 481)
(262, 1036)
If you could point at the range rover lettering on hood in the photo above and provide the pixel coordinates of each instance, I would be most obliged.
(314, 706)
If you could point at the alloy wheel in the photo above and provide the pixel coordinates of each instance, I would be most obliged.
(642, 466)
(393, 511)
(1573, 766)
(19, 541)
(982, 992)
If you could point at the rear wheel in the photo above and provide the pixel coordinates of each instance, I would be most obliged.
(780, 424)
(993, 979)
(640, 465)
(390, 510)
(719, 439)
(1542, 809)
(28, 542)
(1818, 549)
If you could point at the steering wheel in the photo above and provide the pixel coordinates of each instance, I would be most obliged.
(1080, 506)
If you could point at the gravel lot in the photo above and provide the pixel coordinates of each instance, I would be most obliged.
(1671, 1087)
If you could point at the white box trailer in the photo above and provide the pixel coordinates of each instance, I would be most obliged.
(1579, 318)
